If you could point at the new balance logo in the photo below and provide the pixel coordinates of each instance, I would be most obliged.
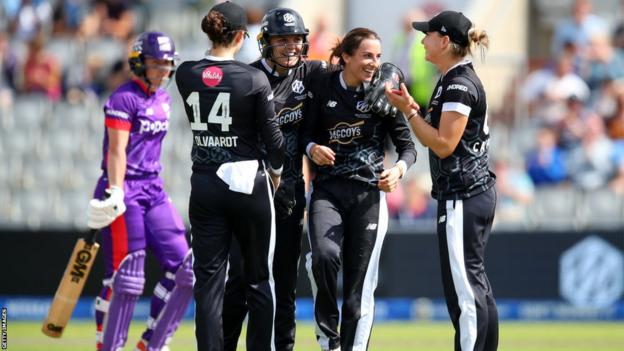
(371, 226)
(331, 103)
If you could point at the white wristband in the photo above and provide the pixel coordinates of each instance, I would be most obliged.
(402, 167)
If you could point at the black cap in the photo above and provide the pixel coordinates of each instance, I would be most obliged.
(234, 14)
(451, 23)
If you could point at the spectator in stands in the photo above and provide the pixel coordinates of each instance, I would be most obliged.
(32, 17)
(617, 183)
(68, 16)
(546, 90)
(409, 55)
(578, 29)
(618, 37)
(321, 40)
(116, 18)
(603, 64)
(8, 71)
(590, 164)
(572, 126)
(41, 71)
(417, 203)
(615, 120)
(515, 190)
(546, 164)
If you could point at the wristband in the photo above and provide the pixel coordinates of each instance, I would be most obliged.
(411, 115)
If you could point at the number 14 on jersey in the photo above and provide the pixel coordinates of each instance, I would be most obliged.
(219, 113)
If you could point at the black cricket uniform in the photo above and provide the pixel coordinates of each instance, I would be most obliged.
(230, 109)
(347, 213)
(290, 96)
(464, 188)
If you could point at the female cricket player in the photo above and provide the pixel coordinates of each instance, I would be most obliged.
(133, 210)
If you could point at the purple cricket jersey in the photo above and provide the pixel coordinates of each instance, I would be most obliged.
(147, 118)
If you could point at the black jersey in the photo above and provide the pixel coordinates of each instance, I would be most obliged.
(229, 104)
(465, 172)
(339, 118)
(290, 95)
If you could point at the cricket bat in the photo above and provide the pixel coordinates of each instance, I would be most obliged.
(70, 288)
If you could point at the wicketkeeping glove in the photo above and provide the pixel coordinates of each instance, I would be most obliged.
(285, 200)
(102, 213)
(375, 95)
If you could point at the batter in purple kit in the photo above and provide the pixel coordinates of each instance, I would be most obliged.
(132, 209)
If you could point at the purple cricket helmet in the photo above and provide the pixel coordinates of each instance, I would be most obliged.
(156, 45)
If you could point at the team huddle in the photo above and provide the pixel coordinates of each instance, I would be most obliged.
(254, 126)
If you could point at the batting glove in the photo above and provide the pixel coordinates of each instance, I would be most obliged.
(102, 213)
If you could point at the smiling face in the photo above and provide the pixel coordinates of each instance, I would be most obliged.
(361, 65)
(434, 44)
(286, 49)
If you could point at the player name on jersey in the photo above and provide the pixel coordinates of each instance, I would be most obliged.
(216, 141)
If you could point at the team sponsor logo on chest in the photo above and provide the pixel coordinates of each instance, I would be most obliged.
(153, 127)
(344, 133)
(290, 115)
(212, 76)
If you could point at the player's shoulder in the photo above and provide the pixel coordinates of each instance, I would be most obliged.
(257, 76)
(314, 65)
(256, 64)
(323, 77)
(186, 66)
(462, 78)
(127, 92)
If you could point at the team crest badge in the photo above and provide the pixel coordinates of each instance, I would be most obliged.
(362, 106)
(297, 86)
(438, 93)
(289, 18)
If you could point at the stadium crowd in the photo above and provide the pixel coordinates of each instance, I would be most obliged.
(72, 52)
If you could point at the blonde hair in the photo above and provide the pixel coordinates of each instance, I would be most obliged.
(477, 39)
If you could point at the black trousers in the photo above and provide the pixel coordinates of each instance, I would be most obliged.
(285, 267)
(216, 214)
(463, 231)
(348, 220)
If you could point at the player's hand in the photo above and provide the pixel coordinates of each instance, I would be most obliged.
(102, 213)
(389, 179)
(285, 200)
(322, 155)
(401, 99)
(375, 97)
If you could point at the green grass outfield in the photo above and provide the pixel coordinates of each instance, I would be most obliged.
(425, 336)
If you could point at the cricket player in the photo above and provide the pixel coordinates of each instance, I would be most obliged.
(131, 207)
